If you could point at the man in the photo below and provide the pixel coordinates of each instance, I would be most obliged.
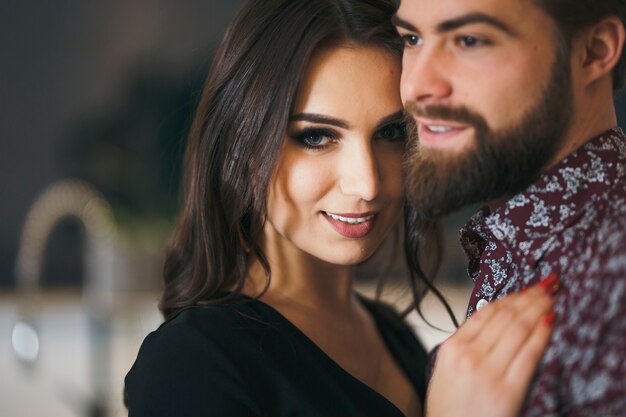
(513, 101)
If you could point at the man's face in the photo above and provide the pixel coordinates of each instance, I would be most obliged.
(490, 90)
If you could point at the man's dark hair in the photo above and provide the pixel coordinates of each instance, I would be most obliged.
(573, 16)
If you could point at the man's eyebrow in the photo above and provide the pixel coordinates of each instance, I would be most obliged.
(319, 118)
(471, 18)
(448, 25)
(398, 21)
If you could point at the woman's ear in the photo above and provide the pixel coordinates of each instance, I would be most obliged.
(599, 48)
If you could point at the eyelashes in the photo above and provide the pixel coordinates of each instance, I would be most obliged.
(315, 138)
(394, 132)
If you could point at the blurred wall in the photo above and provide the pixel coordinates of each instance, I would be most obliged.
(74, 70)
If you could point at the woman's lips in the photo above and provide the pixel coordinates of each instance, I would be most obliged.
(351, 225)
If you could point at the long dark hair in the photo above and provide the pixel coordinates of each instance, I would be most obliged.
(238, 131)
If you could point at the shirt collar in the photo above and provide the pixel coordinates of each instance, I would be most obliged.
(527, 224)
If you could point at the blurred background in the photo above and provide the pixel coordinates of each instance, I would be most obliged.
(96, 101)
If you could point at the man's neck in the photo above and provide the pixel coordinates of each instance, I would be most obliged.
(593, 115)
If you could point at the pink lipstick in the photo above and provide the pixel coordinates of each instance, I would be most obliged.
(351, 225)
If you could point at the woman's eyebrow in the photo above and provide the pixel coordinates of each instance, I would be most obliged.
(392, 118)
(319, 118)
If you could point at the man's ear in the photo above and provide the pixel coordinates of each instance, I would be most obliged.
(599, 48)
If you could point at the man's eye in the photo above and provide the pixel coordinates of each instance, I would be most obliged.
(412, 40)
(468, 41)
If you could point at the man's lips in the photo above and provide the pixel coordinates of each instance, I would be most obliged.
(439, 126)
(437, 133)
(351, 225)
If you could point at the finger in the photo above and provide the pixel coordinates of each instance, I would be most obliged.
(523, 366)
(511, 308)
(475, 325)
(510, 339)
(530, 301)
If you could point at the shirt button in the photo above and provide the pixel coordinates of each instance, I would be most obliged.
(481, 303)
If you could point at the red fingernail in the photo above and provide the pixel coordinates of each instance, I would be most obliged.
(549, 318)
(550, 284)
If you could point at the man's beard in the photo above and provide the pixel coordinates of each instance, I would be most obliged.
(500, 163)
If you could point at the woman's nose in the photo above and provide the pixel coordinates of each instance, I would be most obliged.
(360, 174)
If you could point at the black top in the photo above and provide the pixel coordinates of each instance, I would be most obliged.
(246, 359)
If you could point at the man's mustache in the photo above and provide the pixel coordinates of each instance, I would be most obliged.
(459, 114)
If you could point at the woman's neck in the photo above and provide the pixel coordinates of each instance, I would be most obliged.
(298, 277)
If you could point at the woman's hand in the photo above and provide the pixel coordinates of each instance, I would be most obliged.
(485, 368)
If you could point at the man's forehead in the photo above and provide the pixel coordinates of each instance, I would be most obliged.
(430, 13)
(510, 16)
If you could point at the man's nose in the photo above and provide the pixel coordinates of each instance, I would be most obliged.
(425, 78)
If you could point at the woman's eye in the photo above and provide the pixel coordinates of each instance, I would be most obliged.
(314, 141)
(314, 138)
(395, 132)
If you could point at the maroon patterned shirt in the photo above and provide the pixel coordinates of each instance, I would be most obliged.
(571, 221)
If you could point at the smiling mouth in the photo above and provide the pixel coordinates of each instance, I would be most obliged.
(438, 129)
(350, 220)
(439, 126)
(352, 225)
(441, 134)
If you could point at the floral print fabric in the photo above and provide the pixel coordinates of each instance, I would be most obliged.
(571, 221)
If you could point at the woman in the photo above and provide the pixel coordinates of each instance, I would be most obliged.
(293, 176)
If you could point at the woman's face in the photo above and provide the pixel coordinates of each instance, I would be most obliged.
(336, 191)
